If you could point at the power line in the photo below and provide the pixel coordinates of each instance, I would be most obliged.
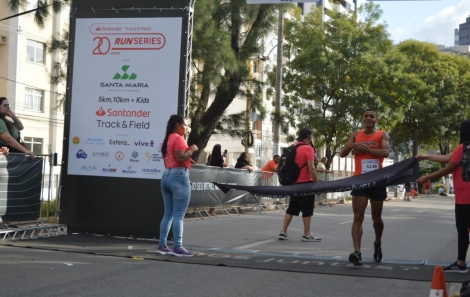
(17, 82)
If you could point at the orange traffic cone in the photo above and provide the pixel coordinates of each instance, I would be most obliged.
(438, 286)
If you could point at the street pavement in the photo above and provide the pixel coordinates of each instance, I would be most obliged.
(241, 256)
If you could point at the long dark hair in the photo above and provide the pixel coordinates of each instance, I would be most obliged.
(7, 122)
(216, 151)
(465, 131)
(170, 128)
(243, 157)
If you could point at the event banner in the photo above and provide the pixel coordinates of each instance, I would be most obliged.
(20, 188)
(398, 173)
(125, 87)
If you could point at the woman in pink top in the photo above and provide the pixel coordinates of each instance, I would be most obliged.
(176, 187)
(462, 195)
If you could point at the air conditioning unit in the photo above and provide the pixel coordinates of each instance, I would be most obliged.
(3, 39)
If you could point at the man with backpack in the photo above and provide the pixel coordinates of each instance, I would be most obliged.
(303, 154)
(369, 148)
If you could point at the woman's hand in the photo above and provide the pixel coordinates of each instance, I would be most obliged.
(4, 151)
(30, 154)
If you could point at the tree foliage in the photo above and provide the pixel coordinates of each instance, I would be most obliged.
(436, 98)
(43, 10)
(226, 38)
(337, 69)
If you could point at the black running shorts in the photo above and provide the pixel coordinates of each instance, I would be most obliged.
(378, 194)
(304, 204)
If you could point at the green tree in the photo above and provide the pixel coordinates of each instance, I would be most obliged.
(43, 11)
(226, 38)
(435, 98)
(337, 69)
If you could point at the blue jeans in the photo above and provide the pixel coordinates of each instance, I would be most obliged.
(176, 191)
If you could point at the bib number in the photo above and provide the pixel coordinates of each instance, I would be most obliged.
(369, 165)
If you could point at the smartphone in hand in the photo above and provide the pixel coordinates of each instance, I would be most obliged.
(225, 153)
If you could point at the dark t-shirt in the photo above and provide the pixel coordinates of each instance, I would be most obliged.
(217, 161)
(241, 164)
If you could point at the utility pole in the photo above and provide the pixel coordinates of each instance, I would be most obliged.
(277, 106)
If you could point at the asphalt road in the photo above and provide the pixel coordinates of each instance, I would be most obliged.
(241, 256)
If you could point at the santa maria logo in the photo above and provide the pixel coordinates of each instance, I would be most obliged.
(76, 140)
(125, 75)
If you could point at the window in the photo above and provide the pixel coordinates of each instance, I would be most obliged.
(33, 144)
(33, 100)
(35, 52)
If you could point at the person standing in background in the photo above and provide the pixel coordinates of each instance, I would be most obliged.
(10, 131)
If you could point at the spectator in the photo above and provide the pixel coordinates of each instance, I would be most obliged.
(243, 162)
(414, 193)
(10, 131)
(270, 167)
(442, 191)
(427, 186)
(407, 191)
(322, 171)
(216, 158)
(176, 188)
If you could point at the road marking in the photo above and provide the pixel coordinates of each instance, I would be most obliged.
(254, 244)
(347, 222)
(396, 210)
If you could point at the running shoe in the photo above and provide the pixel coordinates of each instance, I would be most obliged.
(163, 250)
(456, 268)
(377, 252)
(182, 252)
(356, 258)
(282, 236)
(310, 238)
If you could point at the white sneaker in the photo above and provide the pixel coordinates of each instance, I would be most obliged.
(310, 238)
(282, 236)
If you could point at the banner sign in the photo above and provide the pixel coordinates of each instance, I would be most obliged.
(20, 188)
(277, 1)
(126, 77)
(398, 173)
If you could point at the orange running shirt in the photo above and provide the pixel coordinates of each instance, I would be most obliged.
(366, 162)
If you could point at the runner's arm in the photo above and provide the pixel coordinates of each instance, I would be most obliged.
(436, 158)
(385, 147)
(350, 145)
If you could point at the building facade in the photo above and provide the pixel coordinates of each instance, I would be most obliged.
(25, 69)
(464, 33)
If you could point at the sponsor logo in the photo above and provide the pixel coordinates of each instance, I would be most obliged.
(76, 140)
(125, 76)
(118, 142)
(129, 170)
(121, 85)
(151, 171)
(81, 154)
(103, 45)
(123, 124)
(134, 156)
(109, 169)
(122, 113)
(101, 154)
(144, 143)
(88, 168)
(93, 140)
(119, 155)
(154, 157)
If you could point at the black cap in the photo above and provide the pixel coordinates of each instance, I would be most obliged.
(304, 133)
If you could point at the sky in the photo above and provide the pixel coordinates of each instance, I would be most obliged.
(430, 21)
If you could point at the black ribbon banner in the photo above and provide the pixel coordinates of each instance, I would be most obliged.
(398, 173)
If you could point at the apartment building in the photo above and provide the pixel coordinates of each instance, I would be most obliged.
(25, 68)
(463, 33)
